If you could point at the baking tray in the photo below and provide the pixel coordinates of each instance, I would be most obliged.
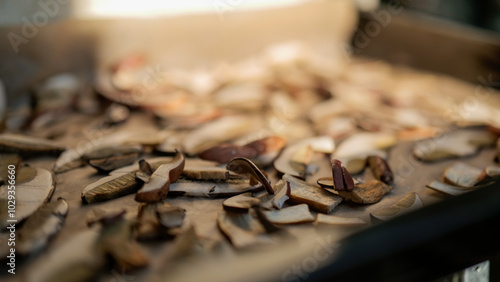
(89, 46)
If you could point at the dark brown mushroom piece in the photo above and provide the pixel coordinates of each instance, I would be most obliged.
(245, 166)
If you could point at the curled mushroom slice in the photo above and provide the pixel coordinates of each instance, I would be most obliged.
(406, 204)
(448, 189)
(380, 169)
(262, 151)
(294, 158)
(317, 198)
(327, 182)
(291, 215)
(110, 187)
(353, 151)
(216, 132)
(245, 166)
(156, 189)
(365, 193)
(461, 174)
(459, 143)
(27, 145)
(240, 203)
(40, 227)
(323, 219)
(106, 159)
(243, 229)
(30, 194)
(216, 189)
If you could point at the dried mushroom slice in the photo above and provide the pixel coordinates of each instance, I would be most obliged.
(489, 175)
(459, 143)
(317, 198)
(448, 189)
(106, 159)
(117, 242)
(30, 195)
(278, 199)
(26, 145)
(210, 173)
(78, 259)
(217, 189)
(406, 204)
(243, 229)
(365, 193)
(323, 219)
(41, 226)
(245, 166)
(380, 169)
(291, 215)
(216, 132)
(148, 226)
(169, 216)
(110, 187)
(240, 203)
(461, 174)
(262, 151)
(327, 182)
(353, 151)
(294, 158)
(156, 189)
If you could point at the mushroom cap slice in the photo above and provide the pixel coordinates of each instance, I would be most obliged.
(243, 229)
(448, 189)
(159, 184)
(216, 189)
(406, 204)
(110, 187)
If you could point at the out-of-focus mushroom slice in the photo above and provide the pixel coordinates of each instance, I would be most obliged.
(448, 189)
(159, 184)
(78, 259)
(3, 107)
(461, 174)
(240, 203)
(110, 158)
(291, 215)
(241, 96)
(365, 193)
(317, 198)
(206, 189)
(294, 159)
(117, 242)
(380, 169)
(115, 114)
(406, 204)
(172, 143)
(110, 187)
(40, 227)
(153, 163)
(323, 219)
(459, 143)
(216, 132)
(243, 229)
(245, 166)
(263, 151)
(497, 158)
(169, 216)
(26, 145)
(489, 175)
(353, 151)
(30, 195)
(7, 160)
(206, 173)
